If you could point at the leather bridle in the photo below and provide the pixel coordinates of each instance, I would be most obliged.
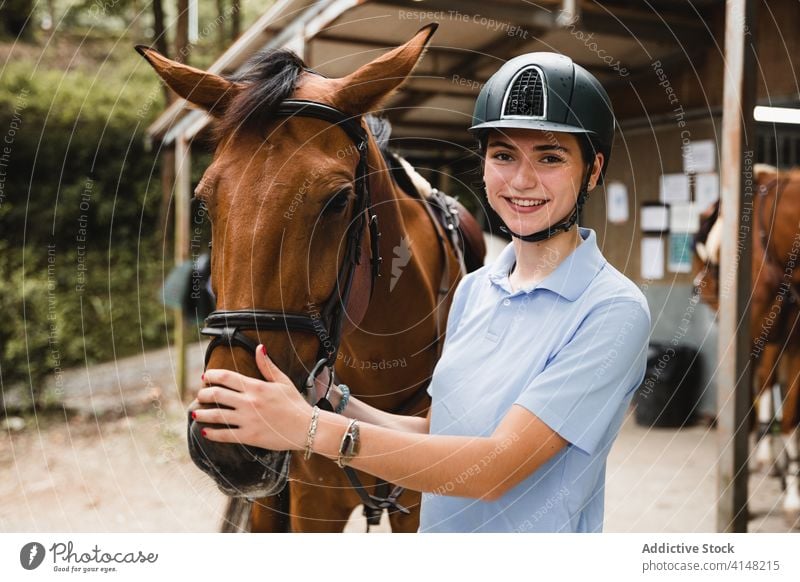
(226, 326)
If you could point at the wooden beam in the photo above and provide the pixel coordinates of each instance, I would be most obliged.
(643, 24)
(523, 14)
(380, 45)
(623, 22)
(570, 12)
(676, 60)
(738, 156)
(182, 201)
(468, 63)
(443, 50)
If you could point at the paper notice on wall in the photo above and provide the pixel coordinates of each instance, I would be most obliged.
(706, 190)
(700, 156)
(652, 257)
(684, 218)
(654, 217)
(617, 202)
(674, 188)
(680, 252)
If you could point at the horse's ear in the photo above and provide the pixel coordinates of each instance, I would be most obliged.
(211, 92)
(365, 89)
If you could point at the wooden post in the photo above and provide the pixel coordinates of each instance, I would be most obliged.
(183, 185)
(736, 180)
(167, 186)
(182, 46)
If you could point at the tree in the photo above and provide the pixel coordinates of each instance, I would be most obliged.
(236, 20)
(159, 32)
(16, 17)
(182, 46)
(221, 40)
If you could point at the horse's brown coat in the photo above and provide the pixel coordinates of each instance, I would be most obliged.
(773, 314)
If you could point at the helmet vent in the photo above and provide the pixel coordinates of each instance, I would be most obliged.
(525, 98)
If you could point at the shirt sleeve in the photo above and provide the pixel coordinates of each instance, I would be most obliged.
(582, 387)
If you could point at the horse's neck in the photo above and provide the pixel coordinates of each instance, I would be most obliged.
(394, 346)
(777, 214)
(386, 198)
(405, 234)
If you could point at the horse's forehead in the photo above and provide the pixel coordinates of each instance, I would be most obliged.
(316, 88)
(309, 86)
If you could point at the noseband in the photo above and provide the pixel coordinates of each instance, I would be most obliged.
(225, 326)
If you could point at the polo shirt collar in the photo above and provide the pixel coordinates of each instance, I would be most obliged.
(569, 280)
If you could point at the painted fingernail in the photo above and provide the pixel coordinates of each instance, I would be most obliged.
(263, 349)
(203, 432)
(194, 415)
(203, 377)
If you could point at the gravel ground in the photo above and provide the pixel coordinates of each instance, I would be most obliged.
(117, 462)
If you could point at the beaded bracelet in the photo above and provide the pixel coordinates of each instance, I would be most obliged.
(312, 430)
(345, 390)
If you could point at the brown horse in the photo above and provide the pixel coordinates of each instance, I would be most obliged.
(283, 194)
(774, 310)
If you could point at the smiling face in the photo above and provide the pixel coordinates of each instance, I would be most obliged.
(533, 177)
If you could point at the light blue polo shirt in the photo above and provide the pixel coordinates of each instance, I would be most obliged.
(572, 349)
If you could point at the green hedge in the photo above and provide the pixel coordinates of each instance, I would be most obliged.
(81, 257)
(64, 308)
(75, 136)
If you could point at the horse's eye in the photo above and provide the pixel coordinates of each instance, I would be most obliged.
(338, 202)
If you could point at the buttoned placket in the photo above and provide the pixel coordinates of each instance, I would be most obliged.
(506, 312)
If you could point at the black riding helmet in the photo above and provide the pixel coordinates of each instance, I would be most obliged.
(548, 91)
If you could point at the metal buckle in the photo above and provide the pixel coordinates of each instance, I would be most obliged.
(310, 388)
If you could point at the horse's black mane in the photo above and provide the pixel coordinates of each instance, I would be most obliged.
(270, 76)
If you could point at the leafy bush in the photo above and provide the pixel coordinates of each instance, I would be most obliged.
(64, 308)
(81, 257)
(75, 138)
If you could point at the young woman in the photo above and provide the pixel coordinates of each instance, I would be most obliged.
(544, 347)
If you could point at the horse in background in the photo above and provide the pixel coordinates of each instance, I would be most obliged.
(285, 194)
(774, 315)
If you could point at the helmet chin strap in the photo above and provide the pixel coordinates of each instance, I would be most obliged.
(564, 225)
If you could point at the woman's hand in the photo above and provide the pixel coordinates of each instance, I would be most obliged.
(271, 415)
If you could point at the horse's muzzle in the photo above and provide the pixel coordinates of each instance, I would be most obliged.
(238, 470)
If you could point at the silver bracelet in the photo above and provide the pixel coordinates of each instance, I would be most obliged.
(345, 390)
(312, 430)
(350, 445)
